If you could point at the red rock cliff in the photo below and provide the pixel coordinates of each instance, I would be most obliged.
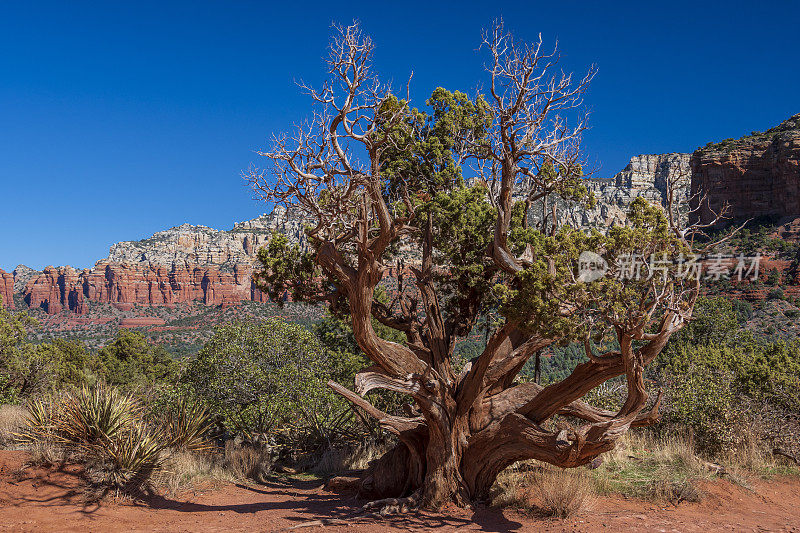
(128, 285)
(7, 289)
(757, 175)
(54, 289)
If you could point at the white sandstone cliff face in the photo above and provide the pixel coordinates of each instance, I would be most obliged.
(201, 245)
(647, 176)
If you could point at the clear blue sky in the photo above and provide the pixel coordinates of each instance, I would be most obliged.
(119, 119)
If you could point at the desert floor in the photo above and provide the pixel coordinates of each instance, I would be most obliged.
(35, 499)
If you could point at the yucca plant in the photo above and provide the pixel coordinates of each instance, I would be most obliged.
(96, 414)
(109, 430)
(127, 460)
(39, 424)
(187, 426)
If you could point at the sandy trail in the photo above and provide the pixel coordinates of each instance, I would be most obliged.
(51, 500)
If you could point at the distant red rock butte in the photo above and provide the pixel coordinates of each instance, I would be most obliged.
(128, 285)
(7, 289)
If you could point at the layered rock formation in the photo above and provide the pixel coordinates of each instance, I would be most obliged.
(7, 289)
(204, 246)
(647, 176)
(178, 265)
(54, 289)
(22, 275)
(757, 175)
(126, 285)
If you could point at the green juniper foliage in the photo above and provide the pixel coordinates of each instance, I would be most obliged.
(130, 360)
(266, 377)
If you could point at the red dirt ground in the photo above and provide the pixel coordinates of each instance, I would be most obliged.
(51, 500)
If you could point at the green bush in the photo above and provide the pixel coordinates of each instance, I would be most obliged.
(773, 278)
(775, 294)
(268, 380)
(28, 369)
(130, 360)
(714, 372)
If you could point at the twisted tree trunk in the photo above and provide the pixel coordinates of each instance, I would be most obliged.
(455, 451)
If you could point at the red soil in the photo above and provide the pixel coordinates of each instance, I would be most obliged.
(33, 499)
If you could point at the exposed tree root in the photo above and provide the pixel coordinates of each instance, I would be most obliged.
(392, 506)
(319, 523)
(783, 453)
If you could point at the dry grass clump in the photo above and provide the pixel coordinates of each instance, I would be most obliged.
(656, 469)
(47, 453)
(511, 487)
(336, 460)
(753, 459)
(12, 418)
(563, 493)
(641, 466)
(248, 461)
(184, 469)
(546, 491)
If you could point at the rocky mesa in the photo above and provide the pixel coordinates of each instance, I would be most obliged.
(126, 285)
(203, 246)
(178, 265)
(757, 175)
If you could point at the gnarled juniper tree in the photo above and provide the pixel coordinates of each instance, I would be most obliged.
(381, 186)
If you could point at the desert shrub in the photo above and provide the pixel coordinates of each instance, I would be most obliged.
(127, 461)
(775, 294)
(188, 425)
(714, 372)
(702, 397)
(742, 309)
(9, 395)
(268, 379)
(39, 424)
(94, 415)
(130, 361)
(773, 278)
(28, 369)
(20, 370)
